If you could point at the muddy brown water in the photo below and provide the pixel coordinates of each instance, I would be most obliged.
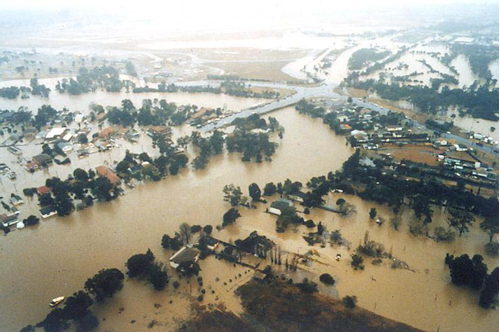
(57, 256)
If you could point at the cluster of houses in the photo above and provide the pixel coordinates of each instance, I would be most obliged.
(387, 135)
(466, 164)
(205, 116)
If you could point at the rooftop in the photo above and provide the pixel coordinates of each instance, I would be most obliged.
(185, 254)
(107, 173)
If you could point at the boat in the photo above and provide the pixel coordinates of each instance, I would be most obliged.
(57, 301)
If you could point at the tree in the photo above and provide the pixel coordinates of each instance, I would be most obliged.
(122, 167)
(195, 229)
(31, 220)
(269, 189)
(230, 217)
(254, 192)
(396, 222)
(207, 229)
(82, 139)
(55, 321)
(357, 262)
(490, 226)
(373, 213)
(490, 291)
(349, 301)
(327, 279)
(88, 323)
(158, 276)
(165, 241)
(139, 265)
(307, 286)
(46, 200)
(185, 232)
(77, 306)
(105, 283)
(460, 220)
(467, 272)
(232, 194)
(80, 175)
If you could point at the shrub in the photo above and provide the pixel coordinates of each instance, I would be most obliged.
(310, 224)
(491, 249)
(327, 279)
(357, 262)
(349, 301)
(195, 228)
(443, 235)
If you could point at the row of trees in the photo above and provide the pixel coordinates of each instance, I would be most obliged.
(479, 101)
(104, 77)
(77, 307)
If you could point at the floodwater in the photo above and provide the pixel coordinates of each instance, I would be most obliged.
(466, 76)
(494, 70)
(64, 252)
(468, 124)
(57, 256)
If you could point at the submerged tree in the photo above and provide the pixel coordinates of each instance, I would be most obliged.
(460, 220)
(105, 283)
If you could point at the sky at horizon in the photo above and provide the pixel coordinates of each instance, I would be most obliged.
(154, 6)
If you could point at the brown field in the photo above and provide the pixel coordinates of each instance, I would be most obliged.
(357, 93)
(283, 92)
(279, 306)
(417, 153)
(216, 321)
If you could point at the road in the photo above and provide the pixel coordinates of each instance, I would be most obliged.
(322, 91)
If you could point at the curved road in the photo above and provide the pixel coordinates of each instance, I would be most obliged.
(324, 90)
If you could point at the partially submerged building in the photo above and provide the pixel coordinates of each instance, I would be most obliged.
(47, 212)
(184, 256)
(42, 159)
(105, 172)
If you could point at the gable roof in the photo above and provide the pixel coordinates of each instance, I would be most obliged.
(107, 173)
(185, 254)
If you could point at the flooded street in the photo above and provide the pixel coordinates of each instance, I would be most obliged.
(108, 233)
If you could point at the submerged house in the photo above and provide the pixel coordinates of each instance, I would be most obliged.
(278, 206)
(42, 159)
(105, 172)
(298, 196)
(47, 212)
(184, 256)
(8, 220)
